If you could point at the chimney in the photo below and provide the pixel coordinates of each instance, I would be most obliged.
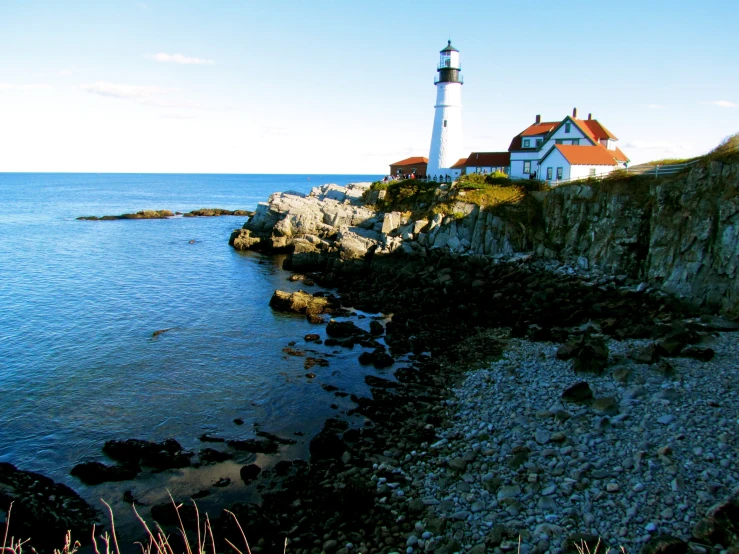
(590, 116)
(574, 112)
(538, 119)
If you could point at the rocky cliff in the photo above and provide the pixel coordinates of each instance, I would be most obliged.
(679, 234)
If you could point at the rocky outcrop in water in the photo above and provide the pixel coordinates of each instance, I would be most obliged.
(166, 214)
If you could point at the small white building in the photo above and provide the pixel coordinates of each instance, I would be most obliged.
(529, 148)
(487, 162)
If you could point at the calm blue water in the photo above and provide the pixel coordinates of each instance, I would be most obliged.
(79, 301)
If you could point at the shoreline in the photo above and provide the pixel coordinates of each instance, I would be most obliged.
(451, 315)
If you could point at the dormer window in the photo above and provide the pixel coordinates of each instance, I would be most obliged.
(576, 142)
(527, 143)
(568, 126)
(538, 142)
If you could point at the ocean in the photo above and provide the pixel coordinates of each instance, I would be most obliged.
(80, 300)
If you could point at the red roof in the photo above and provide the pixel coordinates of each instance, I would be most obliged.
(414, 160)
(539, 128)
(619, 156)
(488, 159)
(596, 129)
(586, 155)
(459, 164)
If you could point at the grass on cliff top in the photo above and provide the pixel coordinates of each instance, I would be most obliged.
(405, 195)
(488, 191)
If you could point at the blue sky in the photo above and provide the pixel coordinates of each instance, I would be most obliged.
(347, 87)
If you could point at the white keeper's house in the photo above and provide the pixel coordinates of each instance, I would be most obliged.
(569, 149)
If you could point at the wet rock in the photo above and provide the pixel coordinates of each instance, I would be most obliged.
(378, 358)
(343, 329)
(579, 393)
(94, 473)
(327, 445)
(312, 337)
(250, 472)
(312, 362)
(256, 446)
(167, 513)
(212, 456)
(43, 510)
(380, 383)
(376, 328)
(167, 454)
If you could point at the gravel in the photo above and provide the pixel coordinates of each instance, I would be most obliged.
(515, 455)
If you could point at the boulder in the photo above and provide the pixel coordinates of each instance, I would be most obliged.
(94, 473)
(212, 456)
(646, 354)
(255, 446)
(167, 454)
(720, 524)
(579, 393)
(592, 354)
(327, 445)
(250, 472)
(241, 239)
(43, 511)
(343, 329)
(302, 302)
(664, 544)
(698, 352)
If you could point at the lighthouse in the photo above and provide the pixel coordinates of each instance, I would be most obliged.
(446, 137)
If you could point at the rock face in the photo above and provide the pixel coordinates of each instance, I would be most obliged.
(679, 234)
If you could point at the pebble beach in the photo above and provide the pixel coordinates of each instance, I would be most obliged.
(648, 455)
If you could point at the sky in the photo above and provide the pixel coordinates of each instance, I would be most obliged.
(347, 86)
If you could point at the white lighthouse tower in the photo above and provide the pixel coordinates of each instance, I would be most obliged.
(446, 139)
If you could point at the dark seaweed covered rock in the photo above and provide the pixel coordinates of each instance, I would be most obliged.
(167, 454)
(94, 473)
(43, 510)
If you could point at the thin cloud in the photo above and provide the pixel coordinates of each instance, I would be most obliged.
(176, 116)
(656, 106)
(653, 145)
(146, 95)
(724, 104)
(180, 59)
(131, 92)
(33, 86)
(64, 72)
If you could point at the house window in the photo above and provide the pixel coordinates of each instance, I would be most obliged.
(559, 173)
(538, 142)
(445, 123)
(549, 173)
(568, 126)
(592, 172)
(558, 141)
(576, 142)
(526, 143)
(527, 167)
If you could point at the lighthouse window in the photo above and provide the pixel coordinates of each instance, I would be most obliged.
(445, 123)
